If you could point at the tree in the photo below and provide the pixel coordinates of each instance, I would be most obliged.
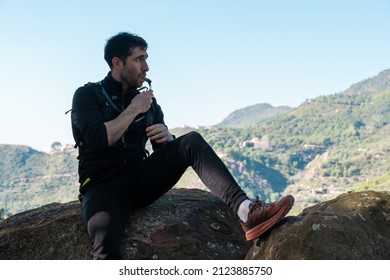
(55, 146)
(2, 214)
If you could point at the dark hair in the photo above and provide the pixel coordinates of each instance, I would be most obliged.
(121, 45)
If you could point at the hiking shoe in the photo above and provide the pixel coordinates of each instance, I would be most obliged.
(263, 216)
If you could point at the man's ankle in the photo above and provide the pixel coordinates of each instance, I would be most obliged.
(243, 210)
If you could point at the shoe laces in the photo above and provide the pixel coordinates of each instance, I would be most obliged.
(258, 204)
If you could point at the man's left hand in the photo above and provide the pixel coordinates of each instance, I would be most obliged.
(159, 133)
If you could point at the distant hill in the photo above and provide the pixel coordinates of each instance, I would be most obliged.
(253, 114)
(326, 146)
(373, 85)
(29, 178)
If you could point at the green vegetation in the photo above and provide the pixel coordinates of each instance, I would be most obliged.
(324, 147)
(2, 214)
(30, 178)
(376, 184)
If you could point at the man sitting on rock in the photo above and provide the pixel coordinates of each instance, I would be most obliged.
(111, 122)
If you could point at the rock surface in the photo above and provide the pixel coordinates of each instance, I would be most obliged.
(183, 224)
(350, 227)
(194, 224)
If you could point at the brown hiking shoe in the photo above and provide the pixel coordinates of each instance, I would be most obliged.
(263, 216)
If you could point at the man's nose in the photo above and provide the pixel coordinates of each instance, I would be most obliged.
(145, 67)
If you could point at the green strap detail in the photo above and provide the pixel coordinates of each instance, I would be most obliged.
(86, 181)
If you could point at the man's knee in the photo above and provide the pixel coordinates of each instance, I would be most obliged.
(101, 221)
(105, 232)
(193, 138)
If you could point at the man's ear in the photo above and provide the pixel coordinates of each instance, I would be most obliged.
(117, 62)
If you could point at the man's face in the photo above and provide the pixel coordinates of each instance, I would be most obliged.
(134, 67)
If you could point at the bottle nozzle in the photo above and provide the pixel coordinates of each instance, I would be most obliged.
(149, 81)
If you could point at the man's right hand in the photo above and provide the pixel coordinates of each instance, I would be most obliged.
(141, 102)
(116, 127)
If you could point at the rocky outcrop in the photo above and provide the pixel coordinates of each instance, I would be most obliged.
(183, 224)
(194, 224)
(351, 226)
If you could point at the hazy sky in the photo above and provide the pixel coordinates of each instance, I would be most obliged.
(206, 58)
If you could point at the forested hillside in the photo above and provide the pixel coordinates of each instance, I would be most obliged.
(30, 178)
(326, 146)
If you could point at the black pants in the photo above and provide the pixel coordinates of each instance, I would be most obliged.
(106, 205)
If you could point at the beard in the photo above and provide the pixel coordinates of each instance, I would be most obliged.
(130, 81)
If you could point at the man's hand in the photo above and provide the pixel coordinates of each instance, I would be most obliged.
(116, 127)
(159, 133)
(141, 102)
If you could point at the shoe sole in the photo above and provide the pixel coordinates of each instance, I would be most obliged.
(260, 229)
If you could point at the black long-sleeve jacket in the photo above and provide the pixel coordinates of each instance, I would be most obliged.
(90, 110)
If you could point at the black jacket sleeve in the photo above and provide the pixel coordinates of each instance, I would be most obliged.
(87, 120)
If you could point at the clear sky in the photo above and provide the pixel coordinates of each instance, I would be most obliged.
(206, 58)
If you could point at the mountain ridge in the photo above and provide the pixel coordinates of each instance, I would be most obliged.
(252, 114)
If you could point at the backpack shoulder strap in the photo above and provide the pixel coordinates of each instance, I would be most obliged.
(98, 92)
(104, 99)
